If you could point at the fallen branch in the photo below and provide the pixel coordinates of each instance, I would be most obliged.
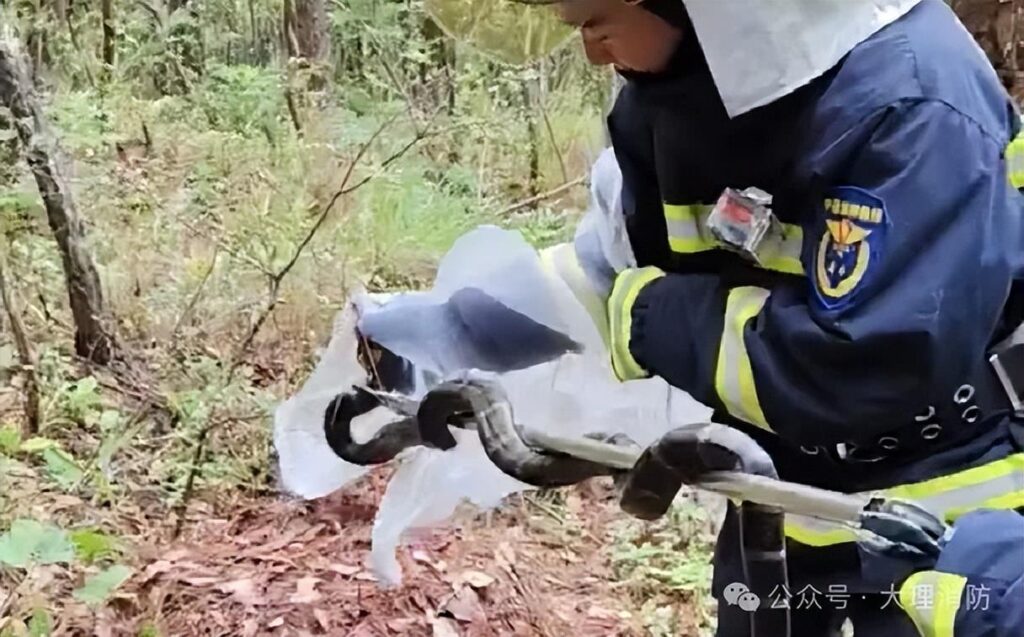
(525, 203)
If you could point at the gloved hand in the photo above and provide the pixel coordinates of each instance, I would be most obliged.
(977, 586)
(685, 456)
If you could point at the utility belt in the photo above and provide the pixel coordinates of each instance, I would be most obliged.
(997, 387)
(973, 407)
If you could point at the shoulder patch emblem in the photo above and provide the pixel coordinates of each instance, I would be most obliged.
(851, 246)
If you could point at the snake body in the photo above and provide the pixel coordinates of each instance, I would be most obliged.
(482, 405)
(468, 404)
(485, 405)
(382, 447)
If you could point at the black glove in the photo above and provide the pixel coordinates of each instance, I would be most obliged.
(685, 456)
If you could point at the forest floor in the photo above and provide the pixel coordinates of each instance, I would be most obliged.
(546, 564)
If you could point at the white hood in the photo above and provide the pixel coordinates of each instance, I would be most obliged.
(761, 50)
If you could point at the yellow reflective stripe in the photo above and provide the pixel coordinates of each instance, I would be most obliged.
(734, 377)
(784, 265)
(931, 599)
(687, 228)
(996, 485)
(813, 532)
(784, 256)
(690, 212)
(547, 260)
(1015, 161)
(620, 312)
(967, 478)
(560, 261)
(1007, 501)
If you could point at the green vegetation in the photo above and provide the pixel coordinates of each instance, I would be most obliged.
(206, 157)
(201, 162)
(665, 568)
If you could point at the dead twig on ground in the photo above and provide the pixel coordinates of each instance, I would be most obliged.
(525, 203)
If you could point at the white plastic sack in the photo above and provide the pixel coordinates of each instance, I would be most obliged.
(573, 395)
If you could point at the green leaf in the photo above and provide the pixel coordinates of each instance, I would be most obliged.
(62, 467)
(86, 386)
(40, 625)
(30, 542)
(149, 630)
(83, 398)
(114, 441)
(98, 588)
(53, 546)
(92, 545)
(10, 439)
(109, 420)
(36, 445)
(17, 545)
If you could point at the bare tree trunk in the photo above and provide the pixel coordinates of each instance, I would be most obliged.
(289, 43)
(60, 11)
(35, 35)
(92, 340)
(25, 356)
(311, 28)
(531, 132)
(73, 36)
(254, 33)
(109, 34)
(8, 152)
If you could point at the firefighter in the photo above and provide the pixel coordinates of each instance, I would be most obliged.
(821, 201)
(810, 220)
(826, 245)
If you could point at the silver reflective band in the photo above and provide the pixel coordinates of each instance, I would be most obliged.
(964, 394)
(889, 443)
